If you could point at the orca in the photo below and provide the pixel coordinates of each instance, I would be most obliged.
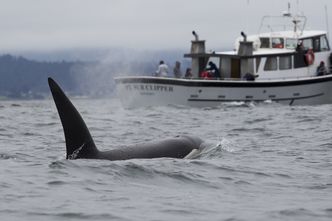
(80, 145)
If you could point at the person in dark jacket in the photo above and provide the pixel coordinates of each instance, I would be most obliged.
(249, 77)
(214, 69)
(321, 69)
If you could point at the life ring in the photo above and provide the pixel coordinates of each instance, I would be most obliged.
(310, 57)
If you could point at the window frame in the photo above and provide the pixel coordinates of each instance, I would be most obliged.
(324, 37)
(266, 44)
(289, 67)
(274, 67)
(278, 42)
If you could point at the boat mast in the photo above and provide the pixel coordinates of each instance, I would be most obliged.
(327, 23)
(297, 19)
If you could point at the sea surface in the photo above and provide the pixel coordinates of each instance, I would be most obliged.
(262, 162)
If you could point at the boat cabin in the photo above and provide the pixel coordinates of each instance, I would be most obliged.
(266, 56)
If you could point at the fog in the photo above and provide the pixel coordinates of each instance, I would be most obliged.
(47, 25)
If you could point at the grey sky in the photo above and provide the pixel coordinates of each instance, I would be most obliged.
(138, 24)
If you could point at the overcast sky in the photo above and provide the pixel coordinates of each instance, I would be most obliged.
(138, 24)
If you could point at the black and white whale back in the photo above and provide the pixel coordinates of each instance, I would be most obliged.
(79, 143)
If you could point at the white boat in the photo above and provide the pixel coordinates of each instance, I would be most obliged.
(281, 65)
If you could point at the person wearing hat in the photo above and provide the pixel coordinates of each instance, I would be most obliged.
(321, 69)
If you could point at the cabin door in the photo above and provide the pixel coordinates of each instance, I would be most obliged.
(235, 68)
(202, 65)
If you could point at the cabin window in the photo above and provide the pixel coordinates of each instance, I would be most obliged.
(291, 43)
(265, 42)
(324, 46)
(285, 62)
(258, 62)
(316, 44)
(277, 43)
(307, 43)
(271, 64)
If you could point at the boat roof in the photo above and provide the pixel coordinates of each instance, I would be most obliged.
(261, 51)
(265, 51)
(290, 34)
(256, 53)
(273, 51)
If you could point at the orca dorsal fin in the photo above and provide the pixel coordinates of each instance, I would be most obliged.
(79, 143)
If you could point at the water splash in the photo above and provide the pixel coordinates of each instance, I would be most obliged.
(214, 150)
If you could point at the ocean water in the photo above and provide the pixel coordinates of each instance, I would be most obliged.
(262, 162)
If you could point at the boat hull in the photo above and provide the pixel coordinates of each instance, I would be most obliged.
(155, 91)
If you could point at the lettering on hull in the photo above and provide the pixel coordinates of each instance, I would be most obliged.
(148, 88)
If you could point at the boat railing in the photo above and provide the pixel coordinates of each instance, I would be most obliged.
(284, 23)
(244, 80)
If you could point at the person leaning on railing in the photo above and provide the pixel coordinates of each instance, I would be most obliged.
(321, 69)
(162, 70)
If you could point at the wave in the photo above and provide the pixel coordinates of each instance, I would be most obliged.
(297, 213)
(76, 215)
(16, 105)
(5, 156)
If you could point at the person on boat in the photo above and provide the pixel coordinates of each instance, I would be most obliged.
(206, 75)
(188, 73)
(177, 70)
(321, 69)
(214, 69)
(299, 46)
(162, 69)
(249, 77)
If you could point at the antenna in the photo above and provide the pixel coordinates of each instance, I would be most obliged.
(327, 22)
(297, 5)
(287, 13)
